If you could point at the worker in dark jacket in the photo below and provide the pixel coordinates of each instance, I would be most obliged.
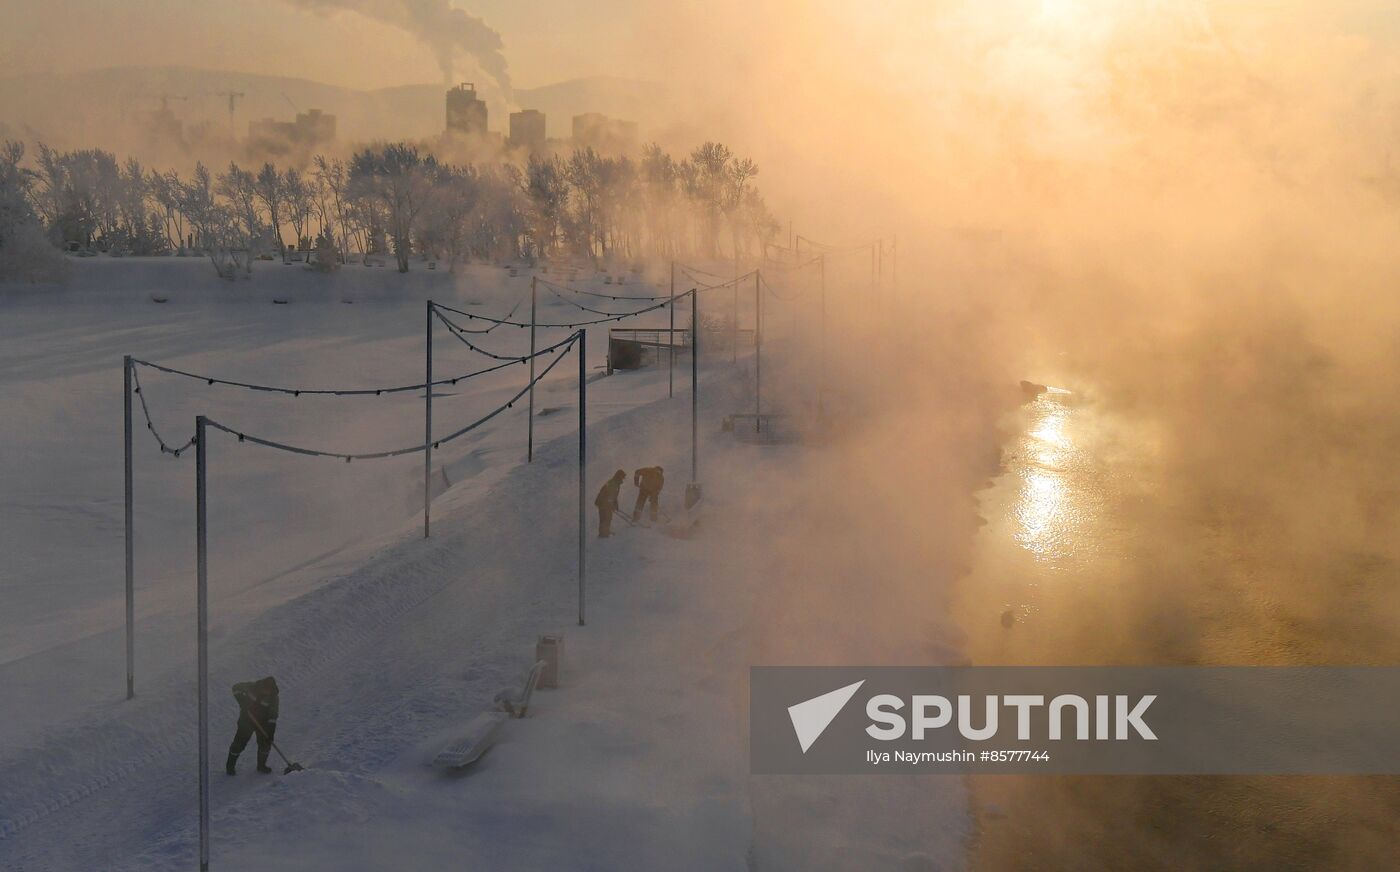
(257, 713)
(607, 502)
(649, 482)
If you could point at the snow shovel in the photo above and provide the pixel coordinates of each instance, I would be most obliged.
(291, 767)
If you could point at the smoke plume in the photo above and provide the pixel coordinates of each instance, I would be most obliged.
(447, 31)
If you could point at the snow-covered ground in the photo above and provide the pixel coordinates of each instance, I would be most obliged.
(384, 643)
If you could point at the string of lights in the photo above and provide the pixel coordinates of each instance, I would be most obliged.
(696, 269)
(296, 392)
(151, 424)
(623, 298)
(690, 273)
(564, 299)
(456, 331)
(397, 452)
(572, 325)
(513, 309)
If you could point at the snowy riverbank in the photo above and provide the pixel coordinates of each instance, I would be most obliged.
(385, 643)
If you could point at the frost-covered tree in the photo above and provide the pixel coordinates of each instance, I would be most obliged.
(25, 252)
(400, 180)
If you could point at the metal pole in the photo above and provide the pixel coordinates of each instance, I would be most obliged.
(821, 380)
(894, 263)
(694, 385)
(872, 269)
(671, 339)
(734, 334)
(201, 497)
(130, 545)
(757, 351)
(530, 429)
(582, 461)
(880, 261)
(427, 418)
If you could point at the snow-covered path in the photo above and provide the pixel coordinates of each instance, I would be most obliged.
(386, 645)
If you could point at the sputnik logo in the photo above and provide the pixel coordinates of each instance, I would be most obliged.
(811, 717)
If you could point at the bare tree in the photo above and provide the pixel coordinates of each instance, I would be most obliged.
(269, 188)
(547, 187)
(299, 200)
(399, 179)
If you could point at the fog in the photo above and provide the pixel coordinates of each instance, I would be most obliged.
(1185, 214)
(1182, 212)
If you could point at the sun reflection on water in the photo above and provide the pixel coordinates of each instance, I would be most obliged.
(1047, 511)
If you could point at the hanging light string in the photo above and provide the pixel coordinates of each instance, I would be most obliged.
(150, 424)
(691, 274)
(296, 392)
(456, 331)
(696, 269)
(623, 298)
(564, 299)
(571, 325)
(838, 249)
(399, 452)
(167, 449)
(791, 267)
(513, 309)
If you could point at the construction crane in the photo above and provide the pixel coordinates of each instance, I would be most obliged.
(166, 98)
(233, 97)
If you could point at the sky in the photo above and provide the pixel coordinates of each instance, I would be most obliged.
(545, 41)
(955, 112)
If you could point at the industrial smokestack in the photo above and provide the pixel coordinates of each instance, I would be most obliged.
(447, 31)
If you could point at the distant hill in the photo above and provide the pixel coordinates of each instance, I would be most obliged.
(107, 106)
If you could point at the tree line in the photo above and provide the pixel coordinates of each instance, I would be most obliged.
(394, 198)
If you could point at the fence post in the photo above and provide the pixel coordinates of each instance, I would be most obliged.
(880, 268)
(582, 461)
(201, 498)
(821, 373)
(427, 418)
(694, 385)
(671, 339)
(734, 333)
(757, 351)
(530, 428)
(130, 543)
(873, 289)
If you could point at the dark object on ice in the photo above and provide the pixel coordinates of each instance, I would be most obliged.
(258, 702)
(156, 298)
(277, 302)
(1031, 390)
(649, 481)
(1008, 618)
(606, 502)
